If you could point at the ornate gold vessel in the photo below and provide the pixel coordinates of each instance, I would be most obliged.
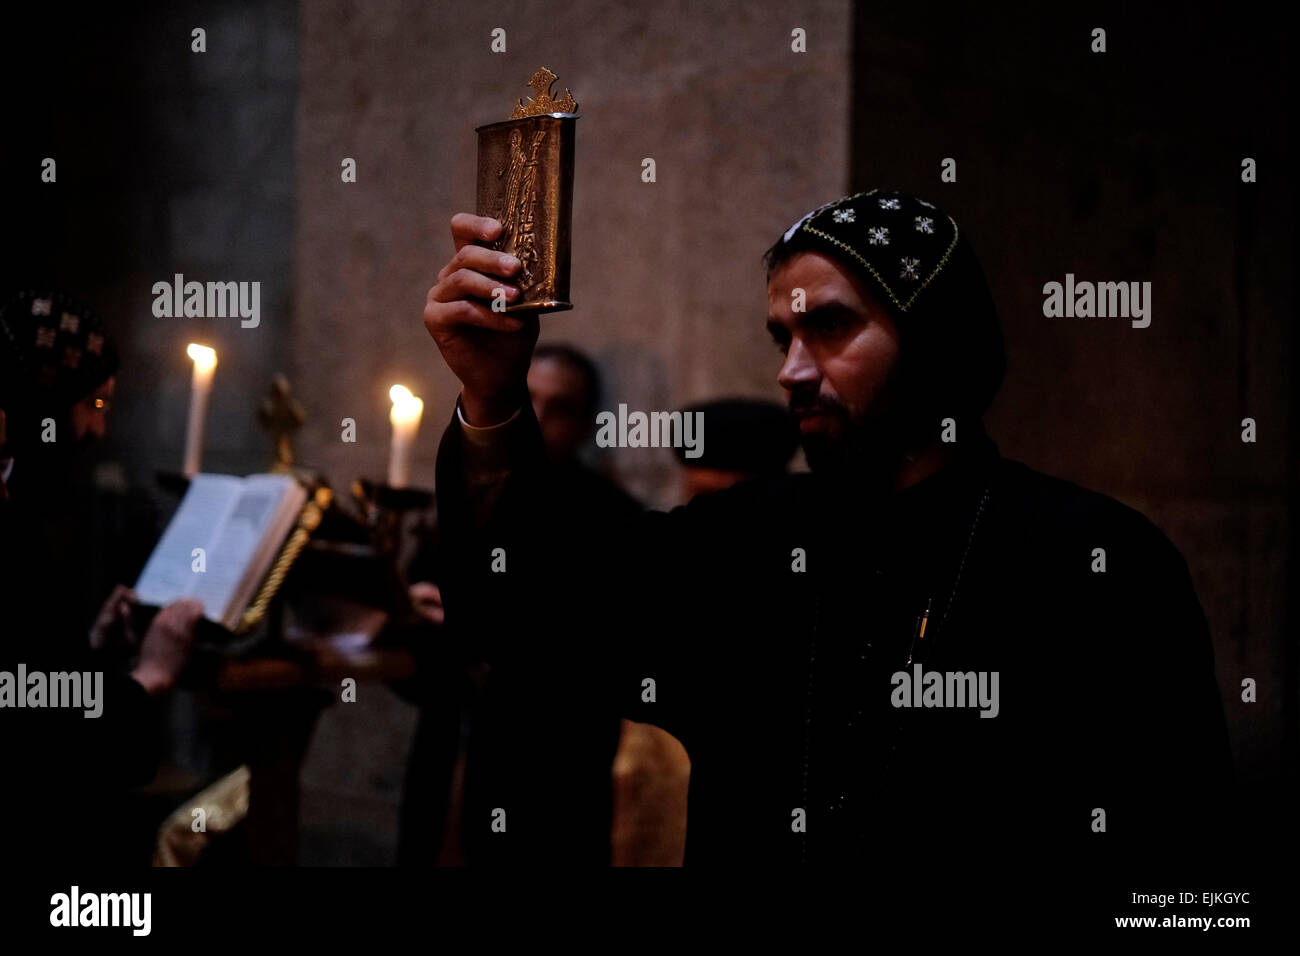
(525, 179)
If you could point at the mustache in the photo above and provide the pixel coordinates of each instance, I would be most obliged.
(802, 405)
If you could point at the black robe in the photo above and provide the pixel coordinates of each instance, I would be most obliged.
(64, 798)
(459, 700)
(771, 618)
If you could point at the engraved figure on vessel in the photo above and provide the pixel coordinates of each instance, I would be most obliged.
(510, 197)
(526, 241)
(518, 204)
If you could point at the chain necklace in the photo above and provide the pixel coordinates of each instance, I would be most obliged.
(812, 655)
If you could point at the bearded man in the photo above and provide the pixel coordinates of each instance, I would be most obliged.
(920, 647)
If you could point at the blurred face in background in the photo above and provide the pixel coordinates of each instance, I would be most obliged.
(699, 481)
(89, 416)
(562, 403)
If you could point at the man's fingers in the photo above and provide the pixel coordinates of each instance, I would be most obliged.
(444, 315)
(121, 595)
(184, 613)
(480, 259)
(467, 228)
(476, 278)
(116, 609)
(468, 284)
(126, 597)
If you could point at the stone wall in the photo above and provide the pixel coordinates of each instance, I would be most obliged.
(1126, 165)
(667, 278)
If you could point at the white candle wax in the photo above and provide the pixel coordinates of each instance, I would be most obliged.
(405, 418)
(205, 363)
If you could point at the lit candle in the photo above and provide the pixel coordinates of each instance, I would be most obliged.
(205, 362)
(405, 417)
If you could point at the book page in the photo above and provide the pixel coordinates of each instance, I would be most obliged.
(254, 532)
(241, 540)
(169, 576)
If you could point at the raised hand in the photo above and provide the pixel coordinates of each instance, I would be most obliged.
(488, 351)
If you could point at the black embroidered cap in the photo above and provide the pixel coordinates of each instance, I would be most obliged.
(899, 242)
(921, 268)
(54, 351)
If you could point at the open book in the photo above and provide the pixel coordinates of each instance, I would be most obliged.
(240, 524)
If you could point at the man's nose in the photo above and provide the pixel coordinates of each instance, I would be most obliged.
(798, 368)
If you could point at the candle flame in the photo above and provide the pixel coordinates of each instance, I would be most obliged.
(406, 407)
(204, 358)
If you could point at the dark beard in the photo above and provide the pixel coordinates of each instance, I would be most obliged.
(65, 464)
(867, 454)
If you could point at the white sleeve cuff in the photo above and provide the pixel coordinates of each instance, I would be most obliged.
(484, 436)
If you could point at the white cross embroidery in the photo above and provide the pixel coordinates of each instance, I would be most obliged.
(909, 268)
(924, 224)
(878, 236)
(843, 215)
(889, 204)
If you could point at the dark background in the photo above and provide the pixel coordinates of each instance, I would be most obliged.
(1127, 166)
